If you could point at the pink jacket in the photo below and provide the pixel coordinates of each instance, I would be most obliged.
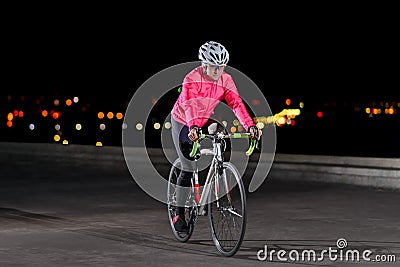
(200, 95)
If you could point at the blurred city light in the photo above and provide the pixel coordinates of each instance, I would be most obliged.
(280, 118)
(139, 126)
(119, 115)
(19, 111)
(68, 102)
(55, 114)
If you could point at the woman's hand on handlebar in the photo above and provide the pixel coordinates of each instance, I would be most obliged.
(255, 133)
(194, 134)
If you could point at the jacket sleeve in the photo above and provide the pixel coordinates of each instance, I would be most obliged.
(235, 102)
(188, 103)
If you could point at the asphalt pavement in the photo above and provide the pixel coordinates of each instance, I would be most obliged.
(77, 215)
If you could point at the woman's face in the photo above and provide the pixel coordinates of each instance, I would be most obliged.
(214, 71)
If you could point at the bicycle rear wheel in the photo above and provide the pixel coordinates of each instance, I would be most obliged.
(227, 211)
(172, 204)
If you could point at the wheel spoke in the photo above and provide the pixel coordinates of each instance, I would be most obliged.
(234, 212)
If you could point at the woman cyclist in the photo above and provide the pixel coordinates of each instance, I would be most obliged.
(203, 89)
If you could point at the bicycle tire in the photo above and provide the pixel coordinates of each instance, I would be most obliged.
(171, 204)
(227, 228)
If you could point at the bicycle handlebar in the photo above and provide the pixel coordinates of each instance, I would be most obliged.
(253, 142)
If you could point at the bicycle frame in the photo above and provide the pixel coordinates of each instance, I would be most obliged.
(215, 169)
(216, 161)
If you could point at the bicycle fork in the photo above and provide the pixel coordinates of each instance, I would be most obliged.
(218, 194)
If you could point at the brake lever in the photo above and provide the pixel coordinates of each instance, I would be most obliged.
(256, 138)
(258, 144)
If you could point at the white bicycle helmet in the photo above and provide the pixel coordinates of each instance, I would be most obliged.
(213, 53)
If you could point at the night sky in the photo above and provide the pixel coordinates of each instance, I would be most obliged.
(339, 58)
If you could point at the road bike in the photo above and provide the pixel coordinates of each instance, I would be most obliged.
(222, 198)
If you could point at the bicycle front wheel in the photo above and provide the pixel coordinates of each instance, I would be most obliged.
(227, 211)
